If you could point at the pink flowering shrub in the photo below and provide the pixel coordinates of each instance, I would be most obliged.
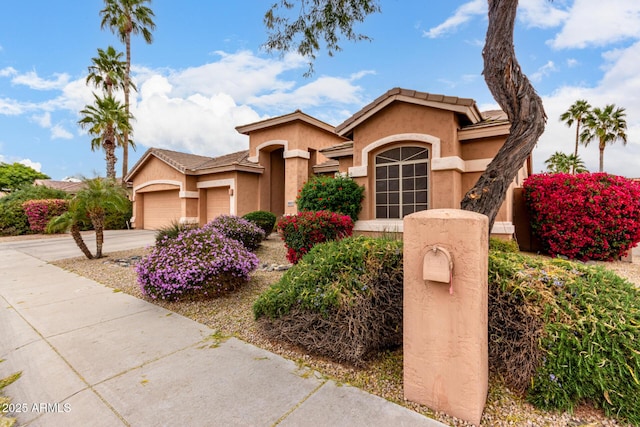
(584, 216)
(240, 229)
(39, 212)
(197, 263)
(304, 230)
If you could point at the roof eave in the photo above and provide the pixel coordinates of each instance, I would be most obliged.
(499, 129)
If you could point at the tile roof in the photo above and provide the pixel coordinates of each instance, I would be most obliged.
(193, 164)
(297, 115)
(455, 103)
(68, 186)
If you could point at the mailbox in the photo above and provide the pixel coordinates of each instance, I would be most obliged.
(437, 266)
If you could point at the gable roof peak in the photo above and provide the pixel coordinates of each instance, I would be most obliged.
(464, 106)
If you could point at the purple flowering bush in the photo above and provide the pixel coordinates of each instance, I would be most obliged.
(238, 228)
(198, 263)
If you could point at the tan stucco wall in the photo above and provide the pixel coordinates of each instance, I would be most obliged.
(246, 185)
(481, 149)
(155, 169)
(400, 118)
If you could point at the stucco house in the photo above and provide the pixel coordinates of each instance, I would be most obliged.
(410, 150)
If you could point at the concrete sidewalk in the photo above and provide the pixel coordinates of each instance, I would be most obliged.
(92, 356)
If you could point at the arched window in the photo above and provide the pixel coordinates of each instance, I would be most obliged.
(402, 181)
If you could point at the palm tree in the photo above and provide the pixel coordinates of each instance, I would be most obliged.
(126, 17)
(108, 71)
(577, 112)
(560, 162)
(607, 125)
(91, 204)
(71, 221)
(99, 195)
(107, 120)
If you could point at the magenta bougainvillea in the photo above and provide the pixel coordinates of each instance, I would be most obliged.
(584, 216)
(302, 231)
(39, 212)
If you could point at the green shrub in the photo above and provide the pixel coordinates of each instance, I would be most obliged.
(565, 333)
(302, 231)
(338, 194)
(116, 219)
(503, 245)
(171, 231)
(13, 219)
(237, 228)
(342, 300)
(263, 219)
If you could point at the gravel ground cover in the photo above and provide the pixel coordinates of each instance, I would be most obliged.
(231, 315)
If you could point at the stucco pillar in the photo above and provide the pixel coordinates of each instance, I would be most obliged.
(296, 174)
(445, 321)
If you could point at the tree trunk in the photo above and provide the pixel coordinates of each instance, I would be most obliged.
(77, 237)
(127, 80)
(575, 152)
(110, 155)
(98, 225)
(601, 157)
(517, 97)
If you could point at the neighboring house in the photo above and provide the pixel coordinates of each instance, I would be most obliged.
(69, 186)
(411, 151)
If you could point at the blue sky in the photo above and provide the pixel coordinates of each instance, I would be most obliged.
(206, 73)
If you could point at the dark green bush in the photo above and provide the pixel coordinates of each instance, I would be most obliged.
(566, 333)
(342, 300)
(339, 194)
(240, 229)
(263, 219)
(117, 220)
(13, 219)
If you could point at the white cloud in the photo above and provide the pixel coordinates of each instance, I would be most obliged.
(8, 72)
(33, 81)
(58, 132)
(197, 123)
(543, 71)
(462, 15)
(11, 107)
(34, 165)
(541, 14)
(43, 121)
(197, 109)
(599, 23)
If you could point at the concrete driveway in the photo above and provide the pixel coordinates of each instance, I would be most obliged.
(55, 248)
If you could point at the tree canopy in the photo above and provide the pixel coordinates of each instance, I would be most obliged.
(16, 175)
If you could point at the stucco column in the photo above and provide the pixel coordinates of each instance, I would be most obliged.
(296, 174)
(445, 316)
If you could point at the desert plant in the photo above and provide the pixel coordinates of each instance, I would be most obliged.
(336, 194)
(237, 228)
(565, 333)
(171, 231)
(263, 219)
(197, 263)
(584, 216)
(302, 231)
(342, 300)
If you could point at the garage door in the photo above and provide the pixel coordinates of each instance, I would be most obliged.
(161, 208)
(218, 202)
